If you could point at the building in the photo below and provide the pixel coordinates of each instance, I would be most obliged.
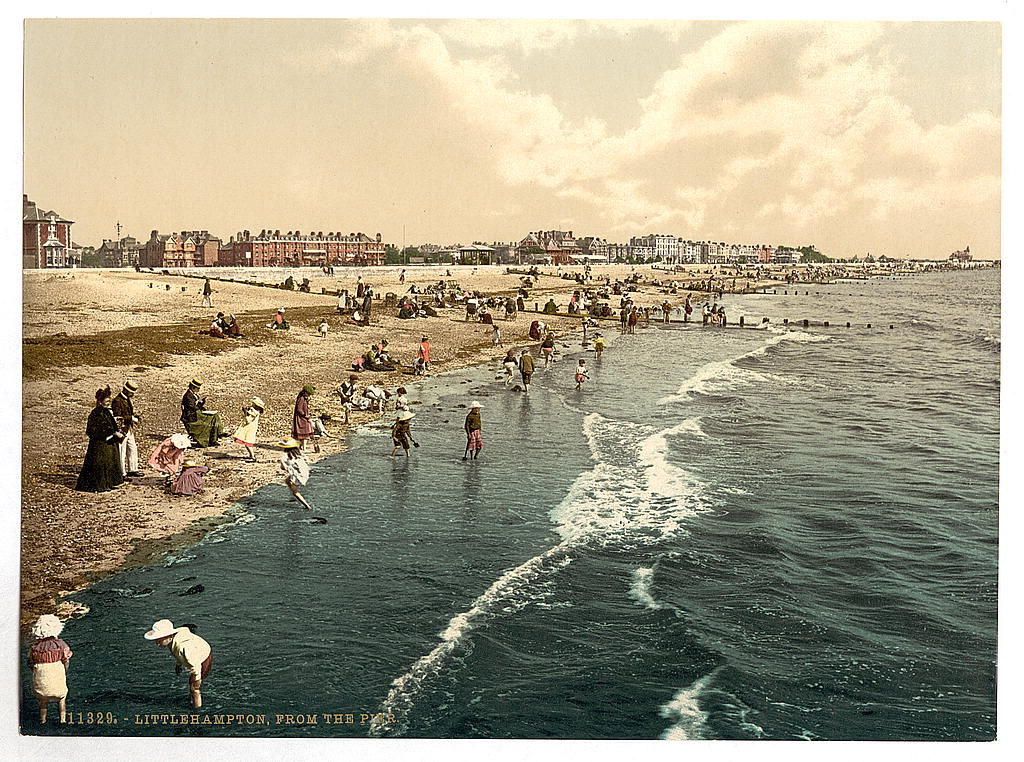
(783, 256)
(125, 252)
(558, 246)
(960, 257)
(206, 247)
(591, 246)
(46, 238)
(271, 248)
(172, 250)
(476, 254)
(505, 253)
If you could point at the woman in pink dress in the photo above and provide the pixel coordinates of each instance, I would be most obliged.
(190, 480)
(302, 426)
(170, 454)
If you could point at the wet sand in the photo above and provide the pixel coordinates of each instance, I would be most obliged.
(101, 327)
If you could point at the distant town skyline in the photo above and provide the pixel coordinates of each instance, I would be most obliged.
(855, 137)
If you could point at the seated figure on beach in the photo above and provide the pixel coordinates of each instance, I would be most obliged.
(202, 425)
(280, 324)
(189, 480)
(168, 456)
(550, 308)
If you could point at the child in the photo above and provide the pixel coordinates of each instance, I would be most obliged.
(401, 433)
(189, 480)
(296, 469)
(323, 329)
(245, 434)
(511, 366)
(49, 656)
(474, 437)
(401, 400)
(598, 344)
(548, 347)
(495, 335)
(581, 374)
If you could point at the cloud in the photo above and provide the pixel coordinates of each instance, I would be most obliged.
(817, 98)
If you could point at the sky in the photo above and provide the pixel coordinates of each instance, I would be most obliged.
(856, 137)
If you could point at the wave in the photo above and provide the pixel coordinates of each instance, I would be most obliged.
(631, 496)
(723, 375)
(689, 721)
(641, 592)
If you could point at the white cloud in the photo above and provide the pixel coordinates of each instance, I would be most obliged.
(816, 97)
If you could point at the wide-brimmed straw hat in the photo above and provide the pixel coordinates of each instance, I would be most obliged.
(130, 387)
(195, 382)
(189, 463)
(258, 403)
(162, 629)
(289, 444)
(475, 404)
(405, 415)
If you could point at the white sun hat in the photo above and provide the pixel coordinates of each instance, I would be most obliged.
(162, 629)
(181, 441)
(475, 404)
(405, 415)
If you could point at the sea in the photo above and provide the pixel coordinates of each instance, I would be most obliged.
(788, 533)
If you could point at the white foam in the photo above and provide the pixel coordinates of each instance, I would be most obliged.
(724, 375)
(640, 590)
(508, 594)
(631, 496)
(689, 721)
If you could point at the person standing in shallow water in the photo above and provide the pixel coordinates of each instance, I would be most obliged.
(101, 470)
(48, 657)
(474, 435)
(190, 652)
(526, 369)
(296, 469)
(581, 374)
(401, 432)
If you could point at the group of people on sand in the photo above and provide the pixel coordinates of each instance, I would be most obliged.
(49, 657)
(112, 454)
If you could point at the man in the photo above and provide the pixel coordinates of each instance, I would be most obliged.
(190, 652)
(124, 415)
(207, 294)
(526, 369)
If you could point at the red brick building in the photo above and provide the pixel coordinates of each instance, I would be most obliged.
(189, 248)
(558, 245)
(271, 248)
(46, 238)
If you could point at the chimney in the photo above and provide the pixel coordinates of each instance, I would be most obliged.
(378, 237)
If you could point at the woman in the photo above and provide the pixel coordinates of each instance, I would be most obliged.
(245, 434)
(548, 348)
(168, 456)
(101, 470)
(49, 656)
(296, 469)
(474, 437)
(302, 426)
(401, 432)
(535, 330)
(190, 480)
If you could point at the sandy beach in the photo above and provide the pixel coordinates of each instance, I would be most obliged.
(84, 329)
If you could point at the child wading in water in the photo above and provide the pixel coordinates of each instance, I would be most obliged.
(401, 433)
(581, 374)
(296, 469)
(474, 437)
(598, 345)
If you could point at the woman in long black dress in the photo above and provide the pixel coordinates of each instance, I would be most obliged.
(102, 468)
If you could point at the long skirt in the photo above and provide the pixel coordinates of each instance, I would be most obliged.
(101, 470)
(207, 429)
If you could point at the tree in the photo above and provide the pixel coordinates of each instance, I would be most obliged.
(392, 256)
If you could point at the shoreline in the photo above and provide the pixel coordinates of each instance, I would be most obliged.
(71, 540)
